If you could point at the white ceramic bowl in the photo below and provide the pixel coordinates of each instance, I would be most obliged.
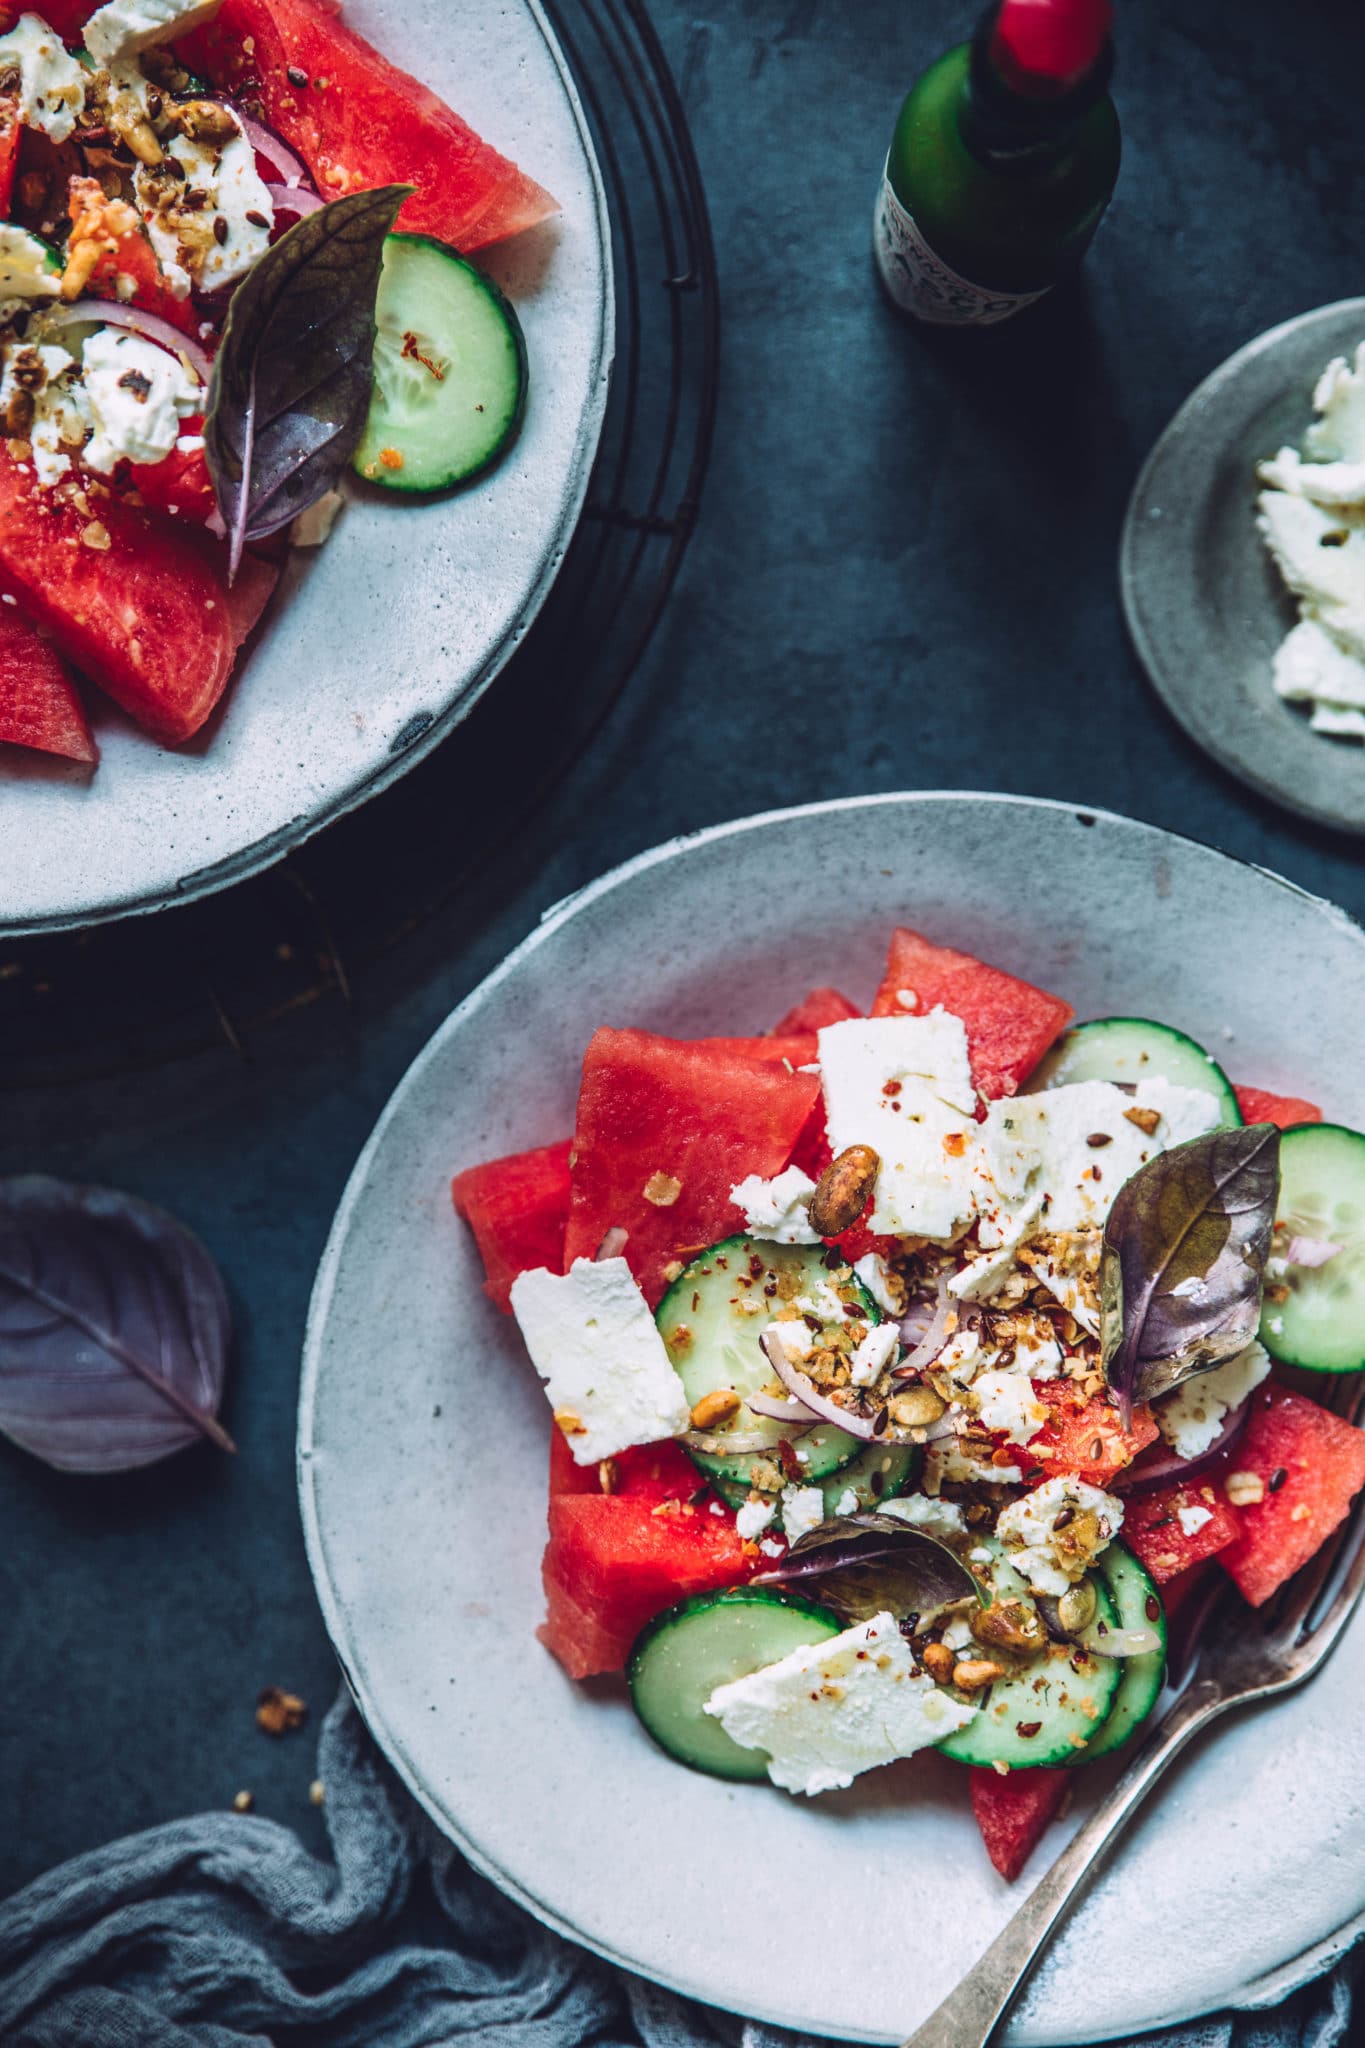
(423, 1441)
(404, 618)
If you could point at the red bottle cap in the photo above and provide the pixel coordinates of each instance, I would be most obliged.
(1050, 42)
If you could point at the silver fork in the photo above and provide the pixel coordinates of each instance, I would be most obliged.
(1241, 1663)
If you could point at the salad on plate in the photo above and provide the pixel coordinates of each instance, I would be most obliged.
(917, 1376)
(233, 267)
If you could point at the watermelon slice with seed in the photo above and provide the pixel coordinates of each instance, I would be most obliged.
(1311, 1465)
(1014, 1811)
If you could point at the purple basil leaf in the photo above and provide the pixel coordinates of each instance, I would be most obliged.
(865, 1564)
(1184, 1258)
(114, 1328)
(291, 382)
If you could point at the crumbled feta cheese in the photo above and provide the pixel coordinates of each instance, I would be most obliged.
(138, 395)
(1328, 579)
(1066, 1289)
(122, 28)
(1192, 1416)
(875, 1275)
(1338, 433)
(51, 82)
(961, 1358)
(873, 1353)
(314, 525)
(827, 1712)
(770, 1547)
(941, 1518)
(778, 1209)
(219, 183)
(1006, 1401)
(26, 271)
(981, 1277)
(753, 1518)
(595, 1344)
(803, 1509)
(847, 1503)
(1193, 1519)
(51, 379)
(1029, 1530)
(979, 1554)
(793, 1338)
(903, 1086)
(822, 1302)
(946, 1460)
(958, 1633)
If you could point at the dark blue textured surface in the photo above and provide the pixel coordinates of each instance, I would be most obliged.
(904, 576)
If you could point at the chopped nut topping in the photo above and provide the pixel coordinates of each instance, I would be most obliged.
(1145, 1119)
(843, 1190)
(96, 535)
(317, 1792)
(279, 1713)
(974, 1674)
(569, 1423)
(938, 1660)
(662, 1189)
(1244, 1489)
(715, 1408)
(243, 1802)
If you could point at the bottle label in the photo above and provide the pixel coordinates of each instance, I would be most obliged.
(922, 283)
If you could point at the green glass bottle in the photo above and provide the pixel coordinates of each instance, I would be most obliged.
(1002, 163)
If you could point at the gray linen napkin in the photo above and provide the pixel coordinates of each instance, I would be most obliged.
(223, 1932)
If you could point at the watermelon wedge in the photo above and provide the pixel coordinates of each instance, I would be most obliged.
(821, 1007)
(1311, 1465)
(517, 1208)
(1084, 1437)
(1259, 1106)
(1010, 1024)
(357, 121)
(1014, 1812)
(649, 1472)
(40, 705)
(1154, 1532)
(145, 611)
(124, 253)
(665, 1129)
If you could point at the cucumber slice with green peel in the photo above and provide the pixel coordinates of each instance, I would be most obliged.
(450, 372)
(879, 1472)
(1132, 1049)
(1138, 1605)
(711, 1320)
(684, 1654)
(1045, 1711)
(1321, 1325)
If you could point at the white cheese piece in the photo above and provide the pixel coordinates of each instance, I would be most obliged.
(1310, 664)
(1191, 1417)
(753, 1518)
(771, 1547)
(803, 1509)
(1040, 1164)
(1028, 1530)
(847, 1503)
(1326, 483)
(823, 1303)
(873, 1354)
(941, 1518)
(832, 1710)
(903, 1086)
(51, 84)
(875, 1275)
(595, 1344)
(1193, 1519)
(1006, 1401)
(25, 266)
(220, 183)
(314, 524)
(123, 28)
(958, 1633)
(1342, 721)
(138, 395)
(1338, 434)
(1329, 580)
(945, 1459)
(777, 1210)
(61, 411)
(982, 1277)
(1064, 1288)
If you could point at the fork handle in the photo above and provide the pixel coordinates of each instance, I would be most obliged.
(969, 2015)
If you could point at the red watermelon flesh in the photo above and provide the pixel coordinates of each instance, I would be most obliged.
(150, 617)
(648, 1472)
(1010, 1024)
(1152, 1529)
(1312, 1464)
(357, 121)
(614, 1562)
(1259, 1106)
(127, 253)
(1084, 1437)
(517, 1208)
(791, 1049)
(1015, 1810)
(822, 1006)
(653, 1112)
(40, 706)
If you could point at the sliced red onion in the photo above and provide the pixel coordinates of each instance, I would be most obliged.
(806, 1391)
(296, 199)
(781, 1410)
(1309, 1251)
(613, 1244)
(150, 326)
(1159, 1462)
(737, 1443)
(933, 1339)
(292, 169)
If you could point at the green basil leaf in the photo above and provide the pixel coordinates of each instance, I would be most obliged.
(866, 1564)
(1184, 1258)
(292, 378)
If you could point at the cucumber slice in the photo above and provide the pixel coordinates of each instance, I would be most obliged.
(711, 1319)
(1048, 1709)
(449, 371)
(879, 1472)
(1138, 1605)
(684, 1654)
(1322, 1194)
(1135, 1049)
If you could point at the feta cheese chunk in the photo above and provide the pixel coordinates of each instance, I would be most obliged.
(778, 1210)
(1310, 666)
(753, 1518)
(210, 218)
(980, 1278)
(51, 84)
(847, 1503)
(26, 271)
(1006, 1401)
(1338, 434)
(1325, 573)
(903, 1085)
(138, 395)
(944, 1459)
(1053, 1535)
(875, 1275)
(594, 1343)
(941, 1518)
(313, 526)
(830, 1711)
(124, 28)
(49, 379)
(1193, 1519)
(873, 1353)
(1191, 1417)
(803, 1509)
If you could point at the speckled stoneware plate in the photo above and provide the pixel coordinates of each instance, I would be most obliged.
(376, 645)
(1204, 602)
(423, 1439)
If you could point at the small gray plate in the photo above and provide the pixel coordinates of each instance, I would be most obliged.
(1204, 602)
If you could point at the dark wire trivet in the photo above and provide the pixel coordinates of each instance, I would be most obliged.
(148, 990)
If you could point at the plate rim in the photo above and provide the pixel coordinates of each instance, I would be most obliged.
(1205, 734)
(264, 852)
(1289, 1976)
